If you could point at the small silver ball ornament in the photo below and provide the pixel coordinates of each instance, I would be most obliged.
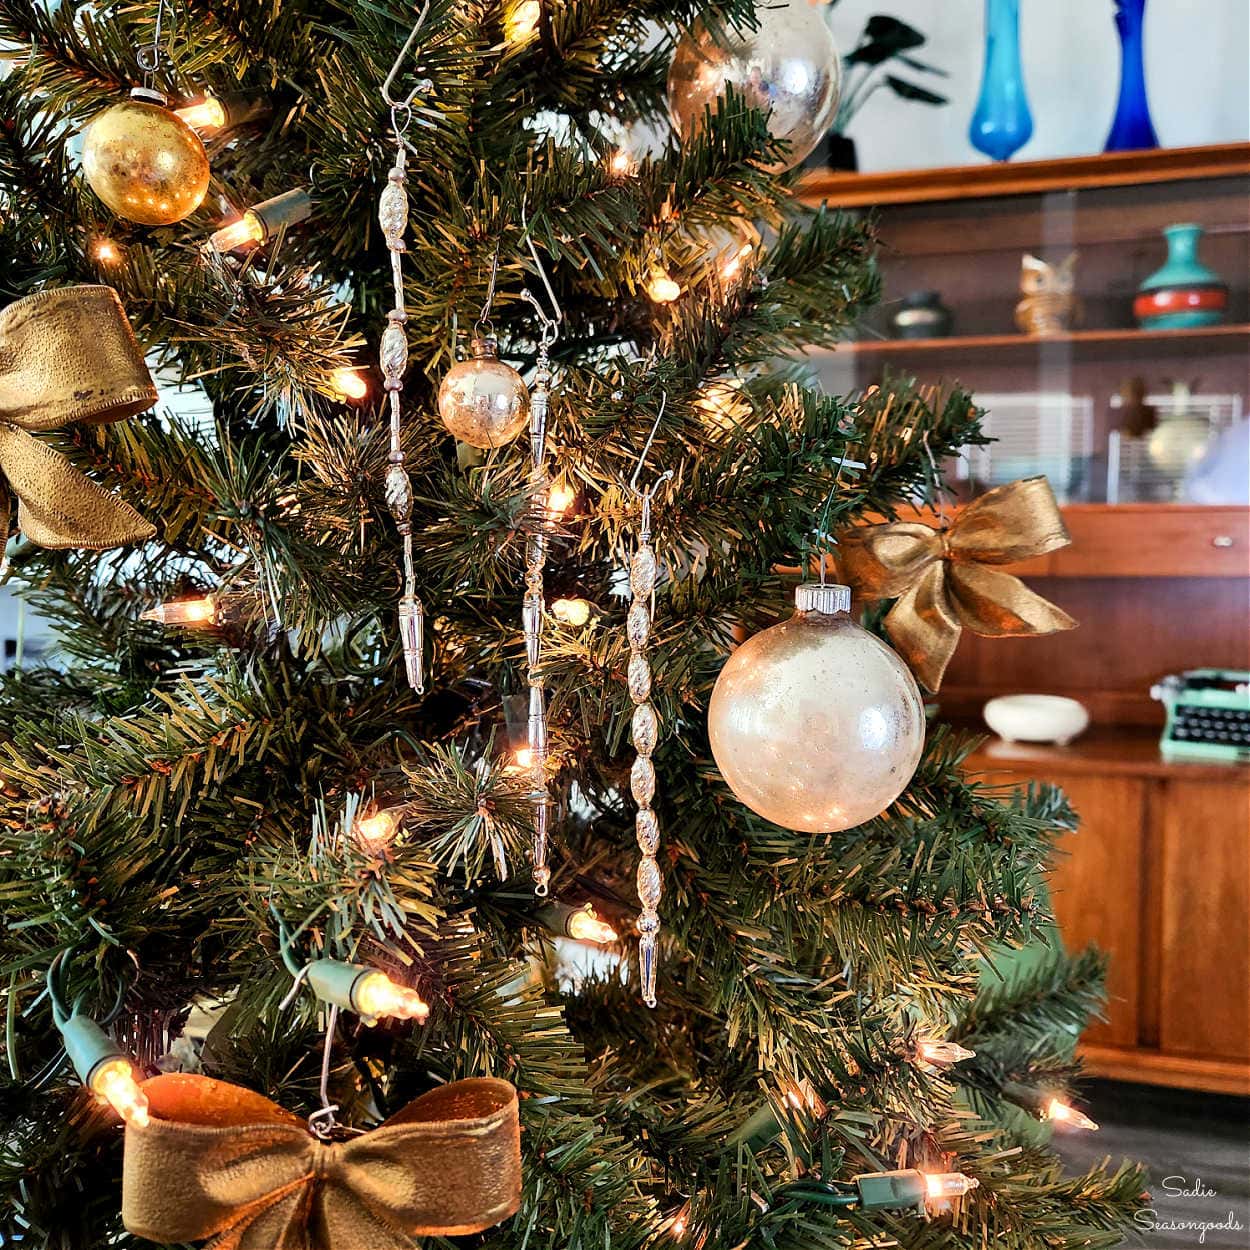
(788, 65)
(816, 724)
(483, 401)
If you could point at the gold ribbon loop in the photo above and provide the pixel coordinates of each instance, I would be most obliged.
(219, 1161)
(942, 581)
(66, 355)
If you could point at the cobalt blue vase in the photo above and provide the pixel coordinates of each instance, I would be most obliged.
(1132, 128)
(1002, 123)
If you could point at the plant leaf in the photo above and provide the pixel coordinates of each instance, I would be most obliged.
(909, 91)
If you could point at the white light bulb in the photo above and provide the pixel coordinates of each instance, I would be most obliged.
(940, 1186)
(943, 1053)
(1061, 1113)
(114, 1082)
(375, 995)
(585, 926)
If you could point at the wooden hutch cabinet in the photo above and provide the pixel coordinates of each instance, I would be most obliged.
(1159, 873)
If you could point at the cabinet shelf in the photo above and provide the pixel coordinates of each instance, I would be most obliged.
(1187, 342)
(970, 182)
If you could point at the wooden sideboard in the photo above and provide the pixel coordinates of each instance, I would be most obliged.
(1158, 875)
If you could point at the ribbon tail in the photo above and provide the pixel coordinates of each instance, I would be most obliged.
(995, 604)
(924, 629)
(57, 505)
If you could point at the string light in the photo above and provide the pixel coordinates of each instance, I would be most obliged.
(375, 995)
(376, 832)
(585, 926)
(369, 992)
(722, 403)
(732, 267)
(942, 1054)
(575, 612)
(106, 252)
(910, 1187)
(206, 114)
(679, 1224)
(801, 1095)
(113, 1081)
(942, 1186)
(262, 221)
(523, 757)
(621, 164)
(1061, 1113)
(102, 1067)
(348, 383)
(185, 612)
(661, 288)
(521, 24)
(560, 498)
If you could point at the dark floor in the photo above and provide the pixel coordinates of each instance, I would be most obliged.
(1195, 1143)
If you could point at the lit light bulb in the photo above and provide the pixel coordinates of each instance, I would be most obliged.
(943, 1053)
(349, 383)
(1061, 1113)
(206, 114)
(732, 266)
(106, 252)
(113, 1080)
(680, 1223)
(191, 612)
(585, 926)
(939, 1186)
(560, 498)
(621, 164)
(376, 832)
(575, 612)
(722, 403)
(244, 233)
(661, 288)
(524, 757)
(801, 1095)
(522, 23)
(375, 995)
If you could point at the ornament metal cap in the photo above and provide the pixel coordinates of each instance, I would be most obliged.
(826, 599)
(149, 95)
(484, 347)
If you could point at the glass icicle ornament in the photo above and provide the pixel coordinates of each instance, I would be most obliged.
(393, 358)
(644, 733)
(787, 65)
(816, 724)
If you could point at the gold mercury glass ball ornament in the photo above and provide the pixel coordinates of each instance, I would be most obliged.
(788, 64)
(482, 401)
(144, 162)
(816, 724)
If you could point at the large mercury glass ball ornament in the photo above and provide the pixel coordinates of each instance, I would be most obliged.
(145, 162)
(788, 65)
(482, 401)
(815, 723)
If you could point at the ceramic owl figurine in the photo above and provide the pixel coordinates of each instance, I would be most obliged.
(1050, 305)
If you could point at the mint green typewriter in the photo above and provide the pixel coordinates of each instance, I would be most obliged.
(1208, 714)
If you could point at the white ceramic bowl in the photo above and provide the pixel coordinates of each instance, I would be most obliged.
(1036, 718)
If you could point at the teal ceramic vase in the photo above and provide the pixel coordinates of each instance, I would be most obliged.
(1184, 293)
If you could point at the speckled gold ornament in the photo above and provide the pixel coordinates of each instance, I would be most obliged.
(483, 401)
(816, 724)
(145, 163)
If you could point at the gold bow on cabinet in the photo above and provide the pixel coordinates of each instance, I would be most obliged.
(66, 355)
(216, 1160)
(944, 580)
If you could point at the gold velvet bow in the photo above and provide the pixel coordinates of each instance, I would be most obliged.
(66, 355)
(943, 580)
(216, 1160)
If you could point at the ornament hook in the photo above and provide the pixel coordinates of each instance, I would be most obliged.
(550, 323)
(401, 110)
(483, 324)
(149, 59)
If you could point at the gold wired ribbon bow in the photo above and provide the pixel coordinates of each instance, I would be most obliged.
(216, 1160)
(944, 580)
(66, 355)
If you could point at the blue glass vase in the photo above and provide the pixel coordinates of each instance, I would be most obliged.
(1132, 128)
(1002, 123)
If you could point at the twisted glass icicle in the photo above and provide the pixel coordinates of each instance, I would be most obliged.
(532, 618)
(644, 732)
(393, 358)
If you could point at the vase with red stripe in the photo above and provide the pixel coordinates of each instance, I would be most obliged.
(1184, 293)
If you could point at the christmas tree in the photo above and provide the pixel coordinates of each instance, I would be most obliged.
(267, 804)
